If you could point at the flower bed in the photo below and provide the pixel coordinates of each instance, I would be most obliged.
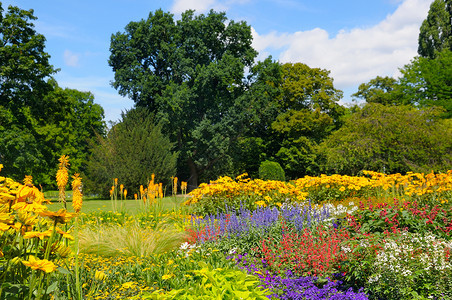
(265, 240)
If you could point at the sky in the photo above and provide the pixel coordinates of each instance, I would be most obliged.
(356, 40)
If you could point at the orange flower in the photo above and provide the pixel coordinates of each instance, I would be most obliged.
(64, 234)
(37, 234)
(77, 197)
(40, 264)
(61, 216)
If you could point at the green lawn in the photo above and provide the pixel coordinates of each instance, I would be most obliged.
(129, 206)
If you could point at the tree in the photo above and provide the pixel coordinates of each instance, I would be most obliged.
(383, 90)
(436, 30)
(24, 67)
(427, 82)
(259, 108)
(308, 113)
(389, 139)
(190, 74)
(39, 121)
(133, 150)
(68, 124)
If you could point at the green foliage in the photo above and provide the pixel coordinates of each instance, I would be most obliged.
(383, 90)
(436, 30)
(271, 170)
(24, 66)
(134, 149)
(389, 139)
(426, 82)
(189, 73)
(39, 121)
(216, 284)
(308, 112)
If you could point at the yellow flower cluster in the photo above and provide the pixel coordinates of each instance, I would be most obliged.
(326, 188)
(263, 192)
(77, 197)
(27, 227)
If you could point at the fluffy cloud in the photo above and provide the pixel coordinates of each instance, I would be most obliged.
(180, 6)
(71, 59)
(202, 6)
(357, 55)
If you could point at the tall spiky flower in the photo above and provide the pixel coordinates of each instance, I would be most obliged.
(28, 180)
(77, 197)
(175, 186)
(62, 178)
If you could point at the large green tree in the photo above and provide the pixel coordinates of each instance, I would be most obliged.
(436, 30)
(39, 121)
(133, 150)
(24, 68)
(427, 82)
(383, 90)
(308, 113)
(189, 72)
(389, 139)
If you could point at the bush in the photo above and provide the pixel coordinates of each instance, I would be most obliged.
(133, 150)
(271, 170)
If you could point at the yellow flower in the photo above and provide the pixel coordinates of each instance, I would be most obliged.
(99, 275)
(62, 178)
(61, 216)
(28, 207)
(260, 203)
(77, 198)
(37, 234)
(4, 227)
(167, 276)
(28, 180)
(64, 234)
(127, 285)
(40, 264)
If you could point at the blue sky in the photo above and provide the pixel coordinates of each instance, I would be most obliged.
(356, 40)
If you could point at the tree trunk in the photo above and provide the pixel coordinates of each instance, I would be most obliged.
(193, 180)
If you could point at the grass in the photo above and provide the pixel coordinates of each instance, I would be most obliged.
(129, 206)
(130, 240)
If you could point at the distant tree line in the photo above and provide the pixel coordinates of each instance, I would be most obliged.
(204, 107)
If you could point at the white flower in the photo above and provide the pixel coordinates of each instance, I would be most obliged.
(184, 246)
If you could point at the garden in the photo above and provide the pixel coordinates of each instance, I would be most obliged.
(373, 236)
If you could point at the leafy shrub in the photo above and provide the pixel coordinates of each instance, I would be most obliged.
(219, 283)
(271, 170)
(134, 149)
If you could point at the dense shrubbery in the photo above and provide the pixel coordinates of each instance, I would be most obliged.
(134, 149)
(271, 170)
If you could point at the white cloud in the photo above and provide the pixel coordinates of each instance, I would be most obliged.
(357, 55)
(180, 6)
(202, 6)
(71, 59)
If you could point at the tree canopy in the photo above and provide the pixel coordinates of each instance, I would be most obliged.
(436, 31)
(39, 121)
(390, 139)
(190, 73)
(133, 150)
